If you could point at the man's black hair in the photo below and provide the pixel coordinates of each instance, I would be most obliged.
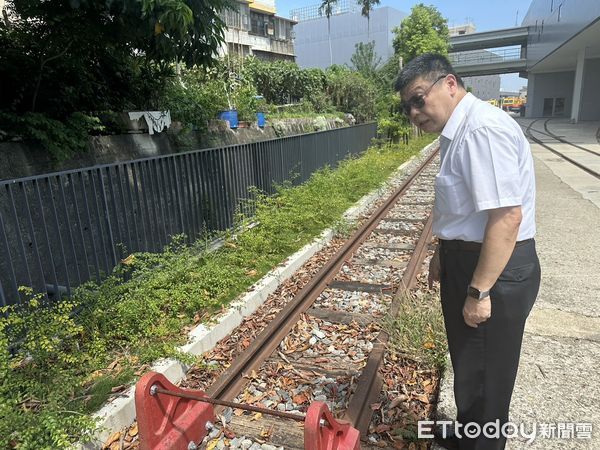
(428, 66)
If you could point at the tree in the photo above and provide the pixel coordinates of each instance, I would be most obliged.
(88, 55)
(424, 30)
(327, 7)
(366, 8)
(365, 60)
(351, 92)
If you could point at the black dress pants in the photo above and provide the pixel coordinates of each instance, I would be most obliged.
(485, 359)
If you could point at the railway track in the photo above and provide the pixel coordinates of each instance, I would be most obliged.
(327, 344)
(551, 141)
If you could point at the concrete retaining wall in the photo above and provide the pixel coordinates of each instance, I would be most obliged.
(21, 159)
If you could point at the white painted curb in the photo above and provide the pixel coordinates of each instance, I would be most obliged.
(120, 412)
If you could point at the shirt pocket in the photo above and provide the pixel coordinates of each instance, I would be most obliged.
(452, 196)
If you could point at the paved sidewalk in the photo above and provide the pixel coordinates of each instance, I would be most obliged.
(559, 376)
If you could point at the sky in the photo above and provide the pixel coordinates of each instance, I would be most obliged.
(484, 14)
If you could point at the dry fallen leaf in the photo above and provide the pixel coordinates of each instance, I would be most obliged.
(257, 416)
(112, 438)
(398, 400)
(118, 388)
(422, 398)
(113, 364)
(300, 398)
(129, 260)
(133, 431)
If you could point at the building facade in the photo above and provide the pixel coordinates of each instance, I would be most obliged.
(563, 59)
(348, 28)
(255, 29)
(485, 87)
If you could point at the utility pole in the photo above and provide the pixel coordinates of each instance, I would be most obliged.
(517, 19)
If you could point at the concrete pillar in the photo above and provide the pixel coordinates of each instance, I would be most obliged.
(578, 86)
(530, 95)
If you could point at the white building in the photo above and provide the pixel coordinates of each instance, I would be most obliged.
(255, 29)
(563, 59)
(348, 28)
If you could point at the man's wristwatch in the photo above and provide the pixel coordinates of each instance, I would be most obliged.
(475, 293)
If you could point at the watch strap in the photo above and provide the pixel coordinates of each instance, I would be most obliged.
(475, 293)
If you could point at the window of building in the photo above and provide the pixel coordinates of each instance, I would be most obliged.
(259, 24)
(553, 106)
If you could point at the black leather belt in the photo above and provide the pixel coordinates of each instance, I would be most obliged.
(469, 246)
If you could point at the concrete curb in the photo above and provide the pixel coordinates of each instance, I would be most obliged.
(120, 412)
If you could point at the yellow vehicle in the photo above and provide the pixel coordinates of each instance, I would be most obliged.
(493, 101)
(512, 103)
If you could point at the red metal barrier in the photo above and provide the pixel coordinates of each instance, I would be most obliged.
(169, 422)
(330, 435)
(166, 422)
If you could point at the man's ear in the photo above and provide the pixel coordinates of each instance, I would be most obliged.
(452, 84)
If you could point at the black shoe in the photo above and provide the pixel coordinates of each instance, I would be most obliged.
(450, 442)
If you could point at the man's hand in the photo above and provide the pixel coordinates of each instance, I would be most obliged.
(477, 311)
(434, 268)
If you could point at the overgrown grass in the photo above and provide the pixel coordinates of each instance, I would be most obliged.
(417, 332)
(67, 357)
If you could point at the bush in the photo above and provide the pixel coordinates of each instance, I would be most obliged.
(62, 139)
(195, 98)
(350, 92)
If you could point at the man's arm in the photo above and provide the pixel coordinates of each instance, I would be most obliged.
(499, 241)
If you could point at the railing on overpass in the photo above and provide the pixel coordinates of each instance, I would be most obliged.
(485, 56)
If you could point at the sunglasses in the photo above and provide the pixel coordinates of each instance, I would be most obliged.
(418, 101)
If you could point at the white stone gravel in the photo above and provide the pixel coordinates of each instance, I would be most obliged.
(382, 254)
(353, 271)
(375, 305)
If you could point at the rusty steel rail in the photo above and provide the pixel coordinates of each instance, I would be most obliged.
(369, 383)
(233, 380)
(538, 141)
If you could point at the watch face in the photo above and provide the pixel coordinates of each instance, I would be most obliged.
(473, 292)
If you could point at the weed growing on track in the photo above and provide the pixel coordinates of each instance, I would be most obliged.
(66, 359)
(417, 332)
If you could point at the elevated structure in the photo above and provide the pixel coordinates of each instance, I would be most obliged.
(255, 29)
(490, 52)
(489, 39)
(485, 87)
(557, 47)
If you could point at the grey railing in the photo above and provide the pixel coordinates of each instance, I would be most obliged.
(61, 229)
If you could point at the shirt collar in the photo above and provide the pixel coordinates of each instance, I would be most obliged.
(456, 118)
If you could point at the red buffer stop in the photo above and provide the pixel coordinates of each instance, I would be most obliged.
(171, 418)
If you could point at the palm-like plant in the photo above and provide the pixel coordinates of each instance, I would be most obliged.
(366, 8)
(327, 8)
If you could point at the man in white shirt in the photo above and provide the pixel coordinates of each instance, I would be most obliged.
(484, 217)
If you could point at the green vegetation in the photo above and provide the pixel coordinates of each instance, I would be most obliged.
(424, 30)
(417, 332)
(66, 357)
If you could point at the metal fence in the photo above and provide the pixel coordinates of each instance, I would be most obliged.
(59, 230)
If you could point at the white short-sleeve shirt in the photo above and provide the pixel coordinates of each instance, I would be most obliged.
(486, 163)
